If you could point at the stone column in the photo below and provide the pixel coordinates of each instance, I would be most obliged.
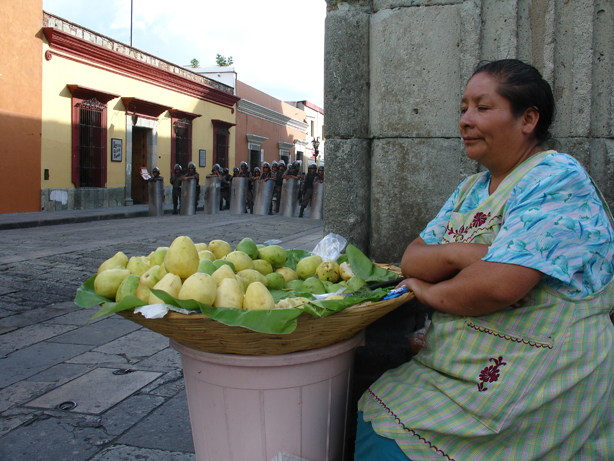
(346, 101)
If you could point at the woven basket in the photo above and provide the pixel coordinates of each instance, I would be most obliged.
(204, 334)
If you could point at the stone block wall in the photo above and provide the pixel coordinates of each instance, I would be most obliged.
(81, 199)
(395, 71)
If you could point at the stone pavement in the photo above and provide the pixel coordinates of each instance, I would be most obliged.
(125, 381)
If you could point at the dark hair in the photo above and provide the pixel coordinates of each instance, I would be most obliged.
(523, 86)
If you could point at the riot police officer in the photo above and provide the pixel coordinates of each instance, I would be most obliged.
(176, 183)
(308, 187)
(244, 173)
(216, 171)
(279, 182)
(266, 171)
(225, 190)
(320, 177)
(193, 174)
(293, 171)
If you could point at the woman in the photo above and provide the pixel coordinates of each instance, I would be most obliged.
(518, 363)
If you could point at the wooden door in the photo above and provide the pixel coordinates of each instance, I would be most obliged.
(139, 160)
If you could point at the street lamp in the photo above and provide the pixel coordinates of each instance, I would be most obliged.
(316, 144)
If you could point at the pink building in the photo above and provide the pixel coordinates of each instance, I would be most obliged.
(268, 129)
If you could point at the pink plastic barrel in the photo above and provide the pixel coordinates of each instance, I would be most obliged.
(249, 408)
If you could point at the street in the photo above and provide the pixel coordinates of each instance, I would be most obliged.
(51, 360)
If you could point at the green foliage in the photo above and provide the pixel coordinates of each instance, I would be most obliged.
(194, 62)
(223, 61)
(364, 267)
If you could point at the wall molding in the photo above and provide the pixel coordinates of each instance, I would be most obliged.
(255, 110)
(69, 46)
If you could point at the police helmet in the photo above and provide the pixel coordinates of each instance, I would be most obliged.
(191, 165)
(256, 170)
(178, 167)
(243, 165)
(282, 163)
(321, 168)
(225, 170)
(266, 165)
(216, 167)
(274, 164)
(235, 169)
(156, 170)
(312, 166)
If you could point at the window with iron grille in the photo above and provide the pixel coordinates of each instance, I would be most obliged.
(221, 142)
(221, 147)
(89, 162)
(182, 143)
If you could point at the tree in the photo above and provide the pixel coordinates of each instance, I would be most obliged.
(194, 62)
(222, 61)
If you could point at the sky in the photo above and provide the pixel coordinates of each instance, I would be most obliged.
(277, 45)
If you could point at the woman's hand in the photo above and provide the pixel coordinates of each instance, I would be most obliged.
(435, 263)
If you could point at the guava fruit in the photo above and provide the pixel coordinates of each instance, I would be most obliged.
(262, 266)
(107, 282)
(170, 283)
(250, 276)
(306, 267)
(248, 247)
(240, 260)
(275, 255)
(328, 270)
(229, 294)
(181, 258)
(314, 285)
(128, 287)
(206, 267)
(117, 261)
(276, 281)
(257, 297)
(219, 248)
(199, 287)
(288, 273)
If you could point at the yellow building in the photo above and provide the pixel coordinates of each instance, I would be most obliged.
(109, 110)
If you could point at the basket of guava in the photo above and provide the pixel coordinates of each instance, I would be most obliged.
(255, 300)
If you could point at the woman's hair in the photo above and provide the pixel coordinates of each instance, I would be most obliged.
(523, 86)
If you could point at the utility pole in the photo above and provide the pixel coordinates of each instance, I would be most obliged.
(131, 19)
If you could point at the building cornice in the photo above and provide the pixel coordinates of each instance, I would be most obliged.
(285, 145)
(71, 47)
(255, 139)
(82, 92)
(144, 108)
(255, 110)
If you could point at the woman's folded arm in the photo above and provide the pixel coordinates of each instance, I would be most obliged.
(479, 289)
(434, 263)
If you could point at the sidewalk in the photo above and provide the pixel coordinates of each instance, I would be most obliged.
(50, 218)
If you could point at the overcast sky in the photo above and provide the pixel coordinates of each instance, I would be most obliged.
(277, 45)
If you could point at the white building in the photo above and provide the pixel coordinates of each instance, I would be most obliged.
(223, 74)
(315, 130)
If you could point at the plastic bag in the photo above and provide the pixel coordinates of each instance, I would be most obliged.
(417, 339)
(330, 247)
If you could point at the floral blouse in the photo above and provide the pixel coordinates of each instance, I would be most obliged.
(554, 222)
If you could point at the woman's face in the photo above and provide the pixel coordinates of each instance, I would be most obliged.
(490, 132)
